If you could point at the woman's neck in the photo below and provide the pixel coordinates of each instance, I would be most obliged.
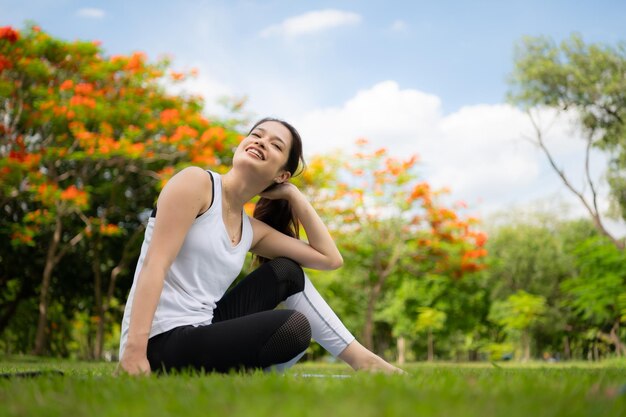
(239, 189)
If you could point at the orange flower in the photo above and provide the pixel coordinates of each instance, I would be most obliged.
(83, 101)
(46, 193)
(362, 142)
(447, 214)
(84, 88)
(109, 229)
(137, 148)
(135, 62)
(474, 254)
(177, 76)
(480, 238)
(409, 162)
(169, 116)
(216, 133)
(22, 238)
(183, 132)
(75, 195)
(59, 110)
(420, 190)
(66, 85)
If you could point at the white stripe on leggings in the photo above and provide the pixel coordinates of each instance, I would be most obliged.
(326, 328)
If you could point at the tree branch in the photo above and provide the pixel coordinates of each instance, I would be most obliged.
(594, 194)
(593, 211)
(541, 143)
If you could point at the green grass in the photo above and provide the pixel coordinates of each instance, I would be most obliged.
(485, 390)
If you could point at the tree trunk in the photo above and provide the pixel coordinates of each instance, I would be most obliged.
(368, 328)
(525, 346)
(40, 336)
(401, 350)
(619, 347)
(567, 351)
(431, 346)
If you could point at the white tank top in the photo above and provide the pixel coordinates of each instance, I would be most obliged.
(204, 268)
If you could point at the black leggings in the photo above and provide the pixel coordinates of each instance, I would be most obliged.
(246, 332)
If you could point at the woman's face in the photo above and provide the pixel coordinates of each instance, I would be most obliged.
(266, 150)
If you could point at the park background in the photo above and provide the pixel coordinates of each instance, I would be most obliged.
(474, 249)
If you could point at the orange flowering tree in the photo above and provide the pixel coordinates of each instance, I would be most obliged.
(86, 142)
(394, 232)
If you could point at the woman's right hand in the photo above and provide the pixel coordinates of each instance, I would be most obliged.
(134, 364)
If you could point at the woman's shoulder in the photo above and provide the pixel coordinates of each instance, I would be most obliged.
(186, 186)
(192, 179)
(197, 174)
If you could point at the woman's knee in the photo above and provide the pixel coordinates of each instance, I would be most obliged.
(289, 274)
(290, 339)
(300, 330)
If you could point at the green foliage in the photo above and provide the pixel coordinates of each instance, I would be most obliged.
(519, 311)
(589, 79)
(598, 293)
(430, 319)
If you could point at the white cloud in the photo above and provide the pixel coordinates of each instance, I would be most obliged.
(399, 26)
(312, 22)
(384, 113)
(91, 13)
(478, 151)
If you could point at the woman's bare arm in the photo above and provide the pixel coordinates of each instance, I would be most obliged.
(319, 253)
(186, 195)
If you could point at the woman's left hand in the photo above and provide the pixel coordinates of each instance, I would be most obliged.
(284, 191)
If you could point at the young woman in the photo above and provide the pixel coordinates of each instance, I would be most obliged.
(179, 315)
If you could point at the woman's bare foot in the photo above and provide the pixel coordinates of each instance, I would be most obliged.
(361, 359)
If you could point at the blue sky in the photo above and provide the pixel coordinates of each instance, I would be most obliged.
(416, 76)
(459, 51)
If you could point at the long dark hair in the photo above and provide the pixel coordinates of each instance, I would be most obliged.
(278, 213)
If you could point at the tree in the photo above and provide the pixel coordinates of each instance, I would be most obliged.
(536, 251)
(86, 141)
(597, 294)
(390, 228)
(430, 320)
(518, 313)
(588, 80)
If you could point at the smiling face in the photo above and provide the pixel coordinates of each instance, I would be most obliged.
(266, 151)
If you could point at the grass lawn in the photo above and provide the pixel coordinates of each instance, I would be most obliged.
(443, 389)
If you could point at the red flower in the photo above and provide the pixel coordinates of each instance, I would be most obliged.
(5, 63)
(10, 34)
